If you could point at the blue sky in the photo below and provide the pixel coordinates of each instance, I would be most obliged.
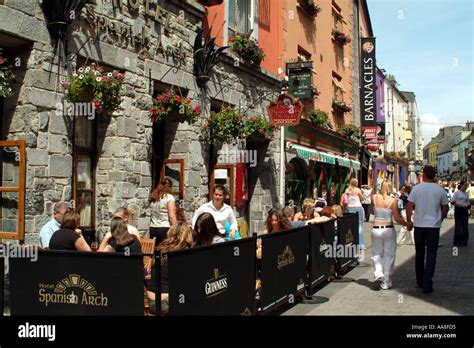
(428, 46)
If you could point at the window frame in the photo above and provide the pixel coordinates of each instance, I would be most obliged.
(231, 190)
(180, 161)
(20, 189)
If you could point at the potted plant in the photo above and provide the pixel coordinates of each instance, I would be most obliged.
(6, 78)
(310, 7)
(319, 118)
(351, 131)
(340, 105)
(93, 84)
(258, 129)
(173, 107)
(340, 37)
(247, 48)
(223, 126)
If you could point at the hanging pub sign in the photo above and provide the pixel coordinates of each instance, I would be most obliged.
(367, 95)
(300, 79)
(286, 111)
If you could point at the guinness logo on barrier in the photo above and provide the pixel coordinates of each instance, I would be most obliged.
(73, 290)
(349, 236)
(286, 258)
(247, 312)
(216, 285)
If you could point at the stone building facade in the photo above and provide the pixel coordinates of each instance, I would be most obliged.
(153, 46)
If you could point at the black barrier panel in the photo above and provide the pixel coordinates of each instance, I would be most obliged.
(218, 279)
(321, 258)
(77, 283)
(347, 240)
(283, 266)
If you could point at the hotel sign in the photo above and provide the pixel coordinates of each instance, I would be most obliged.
(285, 111)
(368, 90)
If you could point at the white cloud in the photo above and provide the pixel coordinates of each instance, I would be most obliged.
(430, 124)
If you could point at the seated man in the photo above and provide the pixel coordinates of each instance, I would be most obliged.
(52, 226)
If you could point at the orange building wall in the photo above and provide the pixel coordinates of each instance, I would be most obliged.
(269, 34)
(314, 36)
(269, 30)
(215, 17)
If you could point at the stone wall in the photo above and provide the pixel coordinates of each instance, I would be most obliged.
(123, 171)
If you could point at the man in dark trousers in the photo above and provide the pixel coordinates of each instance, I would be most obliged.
(431, 205)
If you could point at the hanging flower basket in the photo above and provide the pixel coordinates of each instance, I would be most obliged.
(341, 106)
(173, 107)
(92, 84)
(85, 95)
(340, 37)
(6, 78)
(258, 129)
(224, 126)
(310, 7)
(247, 48)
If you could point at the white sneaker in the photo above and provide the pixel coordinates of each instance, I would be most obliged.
(385, 285)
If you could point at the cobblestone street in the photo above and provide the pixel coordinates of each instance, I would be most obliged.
(453, 285)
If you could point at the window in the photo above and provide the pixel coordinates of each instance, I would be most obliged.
(241, 16)
(223, 174)
(303, 55)
(12, 189)
(337, 16)
(173, 169)
(85, 156)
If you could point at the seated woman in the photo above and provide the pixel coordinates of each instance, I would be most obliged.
(276, 222)
(307, 204)
(69, 237)
(328, 212)
(206, 232)
(179, 237)
(120, 240)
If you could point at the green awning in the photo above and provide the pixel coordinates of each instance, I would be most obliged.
(355, 164)
(345, 162)
(314, 155)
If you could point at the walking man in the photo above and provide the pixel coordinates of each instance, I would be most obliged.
(431, 205)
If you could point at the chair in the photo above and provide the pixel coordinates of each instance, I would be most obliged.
(148, 247)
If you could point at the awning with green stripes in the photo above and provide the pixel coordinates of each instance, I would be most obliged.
(355, 164)
(325, 157)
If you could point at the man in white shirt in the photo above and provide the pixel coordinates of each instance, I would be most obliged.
(52, 226)
(431, 204)
(219, 210)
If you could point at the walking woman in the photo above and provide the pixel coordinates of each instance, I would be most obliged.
(460, 201)
(163, 211)
(351, 200)
(384, 244)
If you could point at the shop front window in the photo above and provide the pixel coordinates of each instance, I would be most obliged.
(85, 154)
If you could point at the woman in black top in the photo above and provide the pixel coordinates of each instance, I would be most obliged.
(120, 240)
(69, 237)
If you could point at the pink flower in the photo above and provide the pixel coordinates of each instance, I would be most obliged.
(120, 75)
(178, 99)
(196, 108)
(1, 60)
(99, 69)
(238, 121)
(96, 105)
(153, 111)
(163, 108)
(64, 83)
(204, 125)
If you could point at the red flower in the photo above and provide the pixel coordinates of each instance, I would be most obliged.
(153, 111)
(96, 105)
(197, 108)
(188, 100)
(1, 60)
(204, 125)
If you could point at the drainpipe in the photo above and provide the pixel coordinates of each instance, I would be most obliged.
(282, 166)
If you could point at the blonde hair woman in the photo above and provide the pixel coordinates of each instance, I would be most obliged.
(384, 236)
(351, 200)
